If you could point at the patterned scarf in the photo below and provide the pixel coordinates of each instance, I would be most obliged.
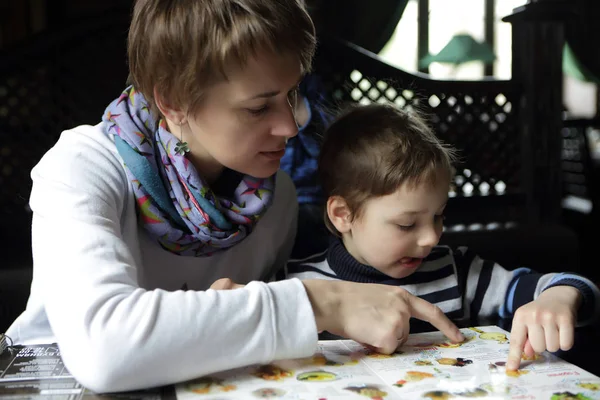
(176, 206)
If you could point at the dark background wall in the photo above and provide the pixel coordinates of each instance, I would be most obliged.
(22, 18)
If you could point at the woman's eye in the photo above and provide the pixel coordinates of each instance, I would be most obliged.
(258, 111)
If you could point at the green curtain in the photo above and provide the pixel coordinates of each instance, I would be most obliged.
(369, 24)
(581, 56)
(460, 49)
(574, 67)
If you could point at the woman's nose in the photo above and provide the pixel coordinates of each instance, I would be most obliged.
(286, 125)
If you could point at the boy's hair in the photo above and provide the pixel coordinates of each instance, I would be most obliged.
(182, 47)
(370, 151)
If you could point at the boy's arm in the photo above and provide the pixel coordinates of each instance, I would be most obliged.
(488, 289)
(528, 287)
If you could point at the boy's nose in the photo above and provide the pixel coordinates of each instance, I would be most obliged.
(429, 237)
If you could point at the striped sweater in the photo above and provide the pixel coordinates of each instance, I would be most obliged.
(462, 284)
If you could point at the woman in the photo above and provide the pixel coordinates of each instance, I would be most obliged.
(176, 189)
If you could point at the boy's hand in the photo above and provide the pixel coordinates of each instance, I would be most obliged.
(225, 284)
(375, 315)
(547, 323)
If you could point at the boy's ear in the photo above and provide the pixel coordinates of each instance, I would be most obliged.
(172, 113)
(339, 214)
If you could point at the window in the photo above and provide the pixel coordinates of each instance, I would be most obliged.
(503, 36)
(446, 19)
(402, 48)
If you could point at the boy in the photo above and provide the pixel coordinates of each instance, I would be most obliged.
(386, 178)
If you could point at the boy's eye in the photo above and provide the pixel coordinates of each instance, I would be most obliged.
(406, 227)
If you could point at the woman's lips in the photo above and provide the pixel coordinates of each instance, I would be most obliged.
(274, 155)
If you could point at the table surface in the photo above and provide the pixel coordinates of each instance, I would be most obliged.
(585, 352)
(586, 349)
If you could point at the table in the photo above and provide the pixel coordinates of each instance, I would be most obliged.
(585, 352)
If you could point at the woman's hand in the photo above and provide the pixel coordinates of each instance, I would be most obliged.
(376, 315)
(547, 323)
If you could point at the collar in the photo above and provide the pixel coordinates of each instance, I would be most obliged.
(347, 268)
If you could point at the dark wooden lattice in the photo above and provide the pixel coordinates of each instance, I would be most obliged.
(67, 78)
(579, 179)
(56, 82)
(478, 118)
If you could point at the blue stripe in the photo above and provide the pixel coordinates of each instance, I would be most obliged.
(506, 309)
(485, 276)
(437, 253)
(300, 268)
(524, 290)
(315, 258)
(442, 295)
(565, 275)
(456, 314)
(463, 261)
(441, 273)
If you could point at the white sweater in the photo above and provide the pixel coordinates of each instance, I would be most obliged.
(110, 296)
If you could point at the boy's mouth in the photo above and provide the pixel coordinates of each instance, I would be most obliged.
(411, 262)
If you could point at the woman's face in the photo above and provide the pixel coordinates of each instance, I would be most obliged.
(244, 122)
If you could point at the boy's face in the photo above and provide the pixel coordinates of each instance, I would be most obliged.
(395, 232)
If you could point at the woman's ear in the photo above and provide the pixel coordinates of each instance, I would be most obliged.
(172, 113)
(339, 214)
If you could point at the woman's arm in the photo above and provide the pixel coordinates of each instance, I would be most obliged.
(116, 336)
